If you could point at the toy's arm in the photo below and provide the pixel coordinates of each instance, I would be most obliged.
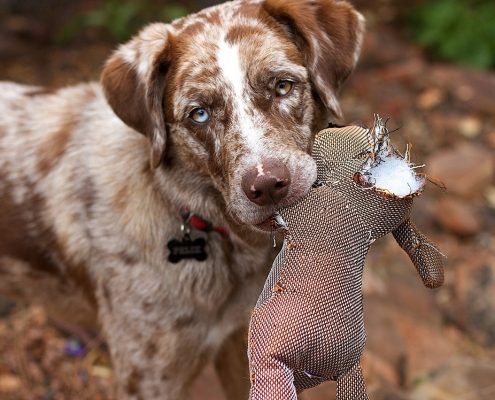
(425, 256)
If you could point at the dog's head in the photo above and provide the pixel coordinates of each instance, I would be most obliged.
(237, 92)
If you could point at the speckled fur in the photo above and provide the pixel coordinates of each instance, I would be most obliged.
(88, 204)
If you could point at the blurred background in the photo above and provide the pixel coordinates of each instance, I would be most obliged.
(429, 67)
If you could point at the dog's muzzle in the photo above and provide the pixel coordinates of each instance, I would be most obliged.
(267, 183)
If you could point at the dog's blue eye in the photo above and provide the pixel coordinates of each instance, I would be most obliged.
(283, 88)
(199, 115)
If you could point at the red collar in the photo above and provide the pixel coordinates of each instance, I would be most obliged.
(201, 224)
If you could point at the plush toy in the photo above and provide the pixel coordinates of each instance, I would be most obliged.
(307, 326)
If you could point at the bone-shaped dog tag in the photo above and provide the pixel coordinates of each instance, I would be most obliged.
(187, 249)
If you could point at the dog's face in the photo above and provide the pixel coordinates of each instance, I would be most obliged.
(237, 92)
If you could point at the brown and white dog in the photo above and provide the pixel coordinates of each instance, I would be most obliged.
(214, 113)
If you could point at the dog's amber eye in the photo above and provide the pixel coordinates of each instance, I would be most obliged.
(199, 115)
(283, 88)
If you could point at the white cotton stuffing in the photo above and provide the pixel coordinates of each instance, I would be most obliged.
(395, 175)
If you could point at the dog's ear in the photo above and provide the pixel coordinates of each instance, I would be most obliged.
(329, 35)
(133, 81)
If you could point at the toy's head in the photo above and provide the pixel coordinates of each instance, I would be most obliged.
(355, 162)
(359, 168)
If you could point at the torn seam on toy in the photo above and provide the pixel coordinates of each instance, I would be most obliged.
(386, 170)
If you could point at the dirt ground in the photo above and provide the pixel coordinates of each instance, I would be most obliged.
(422, 344)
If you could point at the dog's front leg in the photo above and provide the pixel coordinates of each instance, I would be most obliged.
(231, 364)
(154, 355)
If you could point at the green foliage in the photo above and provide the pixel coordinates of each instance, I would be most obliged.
(462, 31)
(120, 19)
(173, 11)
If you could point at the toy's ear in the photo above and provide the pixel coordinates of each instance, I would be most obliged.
(329, 35)
(134, 84)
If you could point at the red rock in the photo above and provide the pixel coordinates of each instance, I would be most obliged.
(481, 83)
(466, 169)
(430, 98)
(461, 378)
(387, 393)
(441, 123)
(379, 371)
(472, 304)
(470, 126)
(406, 333)
(9, 383)
(458, 216)
(490, 196)
(490, 138)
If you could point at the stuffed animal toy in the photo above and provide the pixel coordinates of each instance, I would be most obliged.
(307, 326)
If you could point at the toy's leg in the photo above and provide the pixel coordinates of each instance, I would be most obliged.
(351, 386)
(425, 256)
(274, 381)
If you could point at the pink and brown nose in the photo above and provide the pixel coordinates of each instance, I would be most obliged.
(267, 183)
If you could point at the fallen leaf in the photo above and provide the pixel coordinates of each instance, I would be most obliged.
(101, 372)
(490, 196)
(470, 127)
(9, 383)
(430, 98)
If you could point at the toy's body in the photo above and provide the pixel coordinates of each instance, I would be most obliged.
(308, 325)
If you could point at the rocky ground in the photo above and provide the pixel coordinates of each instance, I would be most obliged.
(422, 344)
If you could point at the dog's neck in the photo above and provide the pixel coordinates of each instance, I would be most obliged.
(187, 189)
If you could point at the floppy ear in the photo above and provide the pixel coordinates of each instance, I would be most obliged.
(133, 80)
(329, 35)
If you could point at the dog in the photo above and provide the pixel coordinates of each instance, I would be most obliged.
(134, 205)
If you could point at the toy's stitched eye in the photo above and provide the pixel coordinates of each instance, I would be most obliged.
(283, 87)
(199, 115)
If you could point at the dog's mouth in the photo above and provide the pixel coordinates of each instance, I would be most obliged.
(258, 195)
(267, 218)
(274, 223)
(268, 225)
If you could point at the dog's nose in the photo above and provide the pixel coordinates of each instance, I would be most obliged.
(267, 183)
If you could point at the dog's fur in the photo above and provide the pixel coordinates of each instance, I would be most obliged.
(88, 204)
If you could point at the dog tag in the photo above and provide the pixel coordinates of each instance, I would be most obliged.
(187, 249)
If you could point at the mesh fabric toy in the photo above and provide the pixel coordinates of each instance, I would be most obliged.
(307, 326)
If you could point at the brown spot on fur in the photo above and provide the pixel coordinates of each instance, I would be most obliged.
(203, 21)
(151, 348)
(164, 375)
(134, 382)
(239, 32)
(88, 193)
(214, 18)
(53, 148)
(194, 29)
(42, 91)
(127, 258)
(22, 234)
(183, 321)
(120, 198)
(108, 297)
(147, 306)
